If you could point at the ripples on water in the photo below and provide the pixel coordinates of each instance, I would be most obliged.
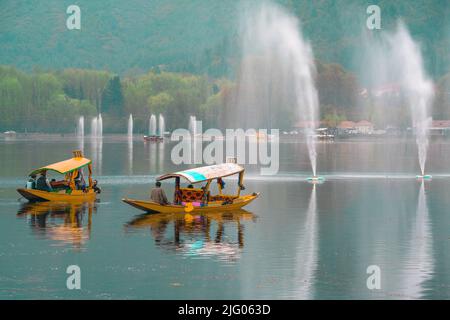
(297, 241)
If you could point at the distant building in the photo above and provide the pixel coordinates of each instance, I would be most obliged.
(360, 127)
(346, 125)
(440, 127)
(364, 127)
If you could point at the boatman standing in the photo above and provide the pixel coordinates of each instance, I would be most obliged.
(158, 195)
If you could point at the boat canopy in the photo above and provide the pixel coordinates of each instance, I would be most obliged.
(65, 166)
(205, 173)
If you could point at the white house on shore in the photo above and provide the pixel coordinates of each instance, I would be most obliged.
(364, 127)
(360, 127)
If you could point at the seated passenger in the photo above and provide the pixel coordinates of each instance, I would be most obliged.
(31, 183)
(95, 187)
(158, 195)
(42, 182)
(80, 184)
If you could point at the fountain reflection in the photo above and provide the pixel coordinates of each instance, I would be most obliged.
(306, 261)
(156, 156)
(63, 223)
(419, 254)
(161, 157)
(152, 156)
(219, 235)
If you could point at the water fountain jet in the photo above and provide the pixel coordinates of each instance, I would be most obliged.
(97, 127)
(396, 59)
(162, 126)
(193, 125)
(276, 76)
(100, 126)
(152, 125)
(130, 127)
(80, 127)
(94, 127)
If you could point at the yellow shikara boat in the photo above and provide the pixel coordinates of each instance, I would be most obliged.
(65, 190)
(199, 200)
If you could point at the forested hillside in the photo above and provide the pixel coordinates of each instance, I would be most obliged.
(198, 36)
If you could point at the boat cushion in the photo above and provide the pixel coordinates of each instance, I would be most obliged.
(191, 195)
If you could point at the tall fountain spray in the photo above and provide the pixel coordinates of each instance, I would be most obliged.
(276, 76)
(396, 59)
(417, 88)
(162, 126)
(130, 126)
(152, 125)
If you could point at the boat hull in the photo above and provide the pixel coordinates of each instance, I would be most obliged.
(34, 195)
(153, 207)
(153, 138)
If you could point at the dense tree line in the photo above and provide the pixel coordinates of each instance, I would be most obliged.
(42, 101)
(52, 101)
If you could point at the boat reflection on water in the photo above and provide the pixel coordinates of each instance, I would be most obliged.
(65, 223)
(219, 235)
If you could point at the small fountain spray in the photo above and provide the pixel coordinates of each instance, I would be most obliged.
(80, 127)
(97, 127)
(162, 126)
(130, 127)
(80, 132)
(152, 125)
(100, 126)
(130, 143)
(94, 127)
(193, 125)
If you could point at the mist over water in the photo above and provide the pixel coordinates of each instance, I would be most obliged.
(275, 82)
(396, 68)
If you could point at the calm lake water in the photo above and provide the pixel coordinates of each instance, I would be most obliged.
(297, 241)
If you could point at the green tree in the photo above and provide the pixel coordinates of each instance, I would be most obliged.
(112, 97)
